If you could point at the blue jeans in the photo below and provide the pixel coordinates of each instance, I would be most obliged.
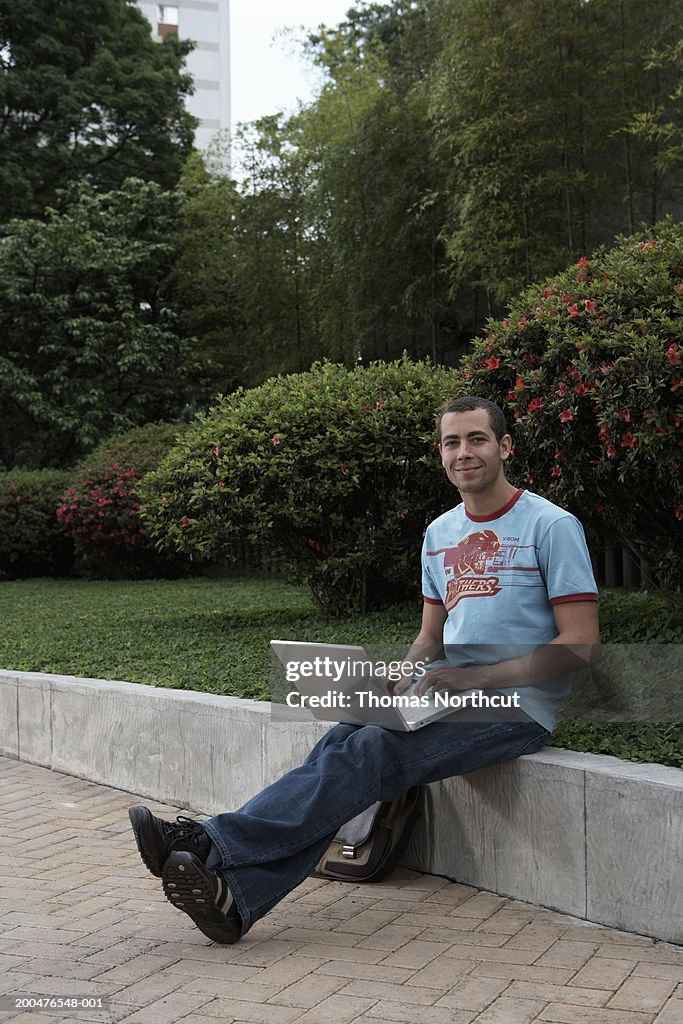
(275, 840)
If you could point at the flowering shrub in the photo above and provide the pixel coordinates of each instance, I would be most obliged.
(32, 542)
(333, 469)
(100, 508)
(588, 368)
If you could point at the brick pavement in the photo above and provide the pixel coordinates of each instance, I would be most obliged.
(79, 915)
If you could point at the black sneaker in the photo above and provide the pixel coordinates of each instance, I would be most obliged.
(202, 895)
(156, 838)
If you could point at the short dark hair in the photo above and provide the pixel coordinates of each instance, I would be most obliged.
(469, 404)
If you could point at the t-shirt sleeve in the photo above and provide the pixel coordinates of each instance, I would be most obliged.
(430, 591)
(565, 563)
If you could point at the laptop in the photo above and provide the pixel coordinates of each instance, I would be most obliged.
(336, 683)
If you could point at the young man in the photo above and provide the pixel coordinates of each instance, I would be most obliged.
(509, 599)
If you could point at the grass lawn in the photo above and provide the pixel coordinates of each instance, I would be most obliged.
(195, 634)
(213, 635)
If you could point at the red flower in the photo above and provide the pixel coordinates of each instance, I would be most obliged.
(603, 432)
(528, 478)
(644, 246)
(611, 451)
(572, 310)
(562, 390)
(506, 323)
(583, 262)
(522, 323)
(673, 355)
(276, 440)
(581, 388)
(401, 513)
(556, 471)
(184, 521)
(679, 286)
(589, 305)
(600, 509)
(626, 415)
(519, 383)
(534, 405)
(629, 441)
(218, 452)
(221, 485)
(492, 363)
(566, 415)
(344, 469)
(676, 383)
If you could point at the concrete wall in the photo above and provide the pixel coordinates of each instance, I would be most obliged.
(588, 835)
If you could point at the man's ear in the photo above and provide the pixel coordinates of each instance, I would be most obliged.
(506, 446)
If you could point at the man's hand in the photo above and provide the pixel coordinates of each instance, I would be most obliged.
(446, 677)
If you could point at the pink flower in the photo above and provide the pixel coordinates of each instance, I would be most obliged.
(589, 305)
(626, 415)
(611, 451)
(344, 469)
(644, 246)
(218, 451)
(492, 363)
(566, 416)
(528, 478)
(679, 286)
(276, 440)
(673, 355)
(185, 522)
(628, 440)
(556, 471)
(221, 485)
(572, 310)
(581, 388)
(401, 513)
(583, 262)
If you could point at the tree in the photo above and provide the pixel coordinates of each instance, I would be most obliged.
(88, 344)
(86, 93)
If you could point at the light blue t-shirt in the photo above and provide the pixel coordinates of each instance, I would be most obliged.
(498, 577)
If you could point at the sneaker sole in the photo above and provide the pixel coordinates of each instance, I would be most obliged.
(140, 819)
(188, 886)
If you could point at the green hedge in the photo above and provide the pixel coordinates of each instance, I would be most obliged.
(334, 470)
(588, 366)
(32, 542)
(100, 508)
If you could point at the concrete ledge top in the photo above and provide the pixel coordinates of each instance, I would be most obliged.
(603, 764)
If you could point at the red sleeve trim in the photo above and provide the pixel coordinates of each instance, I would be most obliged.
(574, 597)
(430, 600)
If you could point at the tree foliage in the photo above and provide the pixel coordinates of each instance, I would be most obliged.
(88, 344)
(86, 94)
(457, 151)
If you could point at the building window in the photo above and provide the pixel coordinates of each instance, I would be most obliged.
(167, 20)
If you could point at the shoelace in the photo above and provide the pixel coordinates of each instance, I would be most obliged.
(184, 829)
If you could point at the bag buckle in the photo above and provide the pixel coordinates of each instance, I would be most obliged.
(349, 852)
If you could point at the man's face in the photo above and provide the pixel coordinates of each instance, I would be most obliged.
(471, 455)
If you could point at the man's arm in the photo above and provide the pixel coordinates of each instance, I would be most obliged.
(427, 645)
(575, 647)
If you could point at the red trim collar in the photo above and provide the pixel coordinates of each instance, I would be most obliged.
(501, 511)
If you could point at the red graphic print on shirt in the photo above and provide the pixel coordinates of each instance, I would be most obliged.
(467, 563)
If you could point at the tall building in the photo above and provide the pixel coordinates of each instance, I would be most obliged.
(207, 23)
